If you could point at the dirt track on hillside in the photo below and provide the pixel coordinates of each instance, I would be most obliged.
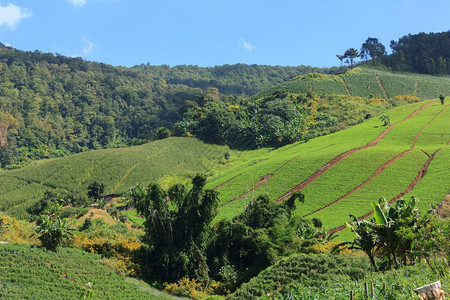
(338, 158)
(413, 183)
(377, 172)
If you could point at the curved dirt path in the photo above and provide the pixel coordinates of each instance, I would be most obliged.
(341, 156)
(263, 180)
(377, 172)
(413, 183)
(426, 125)
(226, 182)
(260, 182)
(381, 86)
(345, 86)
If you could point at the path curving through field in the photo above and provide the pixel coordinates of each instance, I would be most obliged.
(341, 156)
(381, 86)
(226, 182)
(413, 183)
(263, 180)
(377, 172)
(345, 86)
(426, 125)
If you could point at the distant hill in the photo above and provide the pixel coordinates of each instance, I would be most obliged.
(52, 105)
(238, 79)
(168, 161)
(366, 83)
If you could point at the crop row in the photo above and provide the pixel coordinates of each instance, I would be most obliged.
(32, 272)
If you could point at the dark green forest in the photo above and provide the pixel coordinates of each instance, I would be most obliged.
(238, 79)
(421, 53)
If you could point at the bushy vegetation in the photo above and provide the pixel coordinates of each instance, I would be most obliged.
(282, 118)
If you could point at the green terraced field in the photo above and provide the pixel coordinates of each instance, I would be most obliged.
(363, 82)
(30, 272)
(364, 171)
(358, 179)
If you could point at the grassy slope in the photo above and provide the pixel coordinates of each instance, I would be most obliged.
(301, 160)
(35, 273)
(363, 82)
(168, 160)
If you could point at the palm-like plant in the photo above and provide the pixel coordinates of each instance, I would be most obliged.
(381, 234)
(52, 231)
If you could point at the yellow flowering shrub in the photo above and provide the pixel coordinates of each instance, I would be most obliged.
(327, 247)
(194, 289)
(407, 98)
(14, 231)
(117, 247)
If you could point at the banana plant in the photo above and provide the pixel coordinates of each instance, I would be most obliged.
(380, 234)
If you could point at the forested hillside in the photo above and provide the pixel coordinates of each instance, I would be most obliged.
(52, 105)
(421, 53)
(239, 79)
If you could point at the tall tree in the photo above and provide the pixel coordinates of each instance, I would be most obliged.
(177, 235)
(350, 55)
(372, 48)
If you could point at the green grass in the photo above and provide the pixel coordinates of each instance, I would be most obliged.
(362, 82)
(30, 272)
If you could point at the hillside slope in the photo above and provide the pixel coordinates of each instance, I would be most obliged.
(340, 173)
(168, 161)
(30, 272)
(365, 82)
(343, 172)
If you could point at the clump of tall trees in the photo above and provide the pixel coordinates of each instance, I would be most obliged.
(183, 242)
(427, 53)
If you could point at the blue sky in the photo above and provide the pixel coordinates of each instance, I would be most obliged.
(213, 32)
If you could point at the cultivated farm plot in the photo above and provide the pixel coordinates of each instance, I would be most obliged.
(363, 85)
(118, 169)
(384, 169)
(30, 272)
(363, 82)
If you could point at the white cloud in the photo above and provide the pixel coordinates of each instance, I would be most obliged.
(77, 3)
(88, 46)
(246, 45)
(11, 14)
(86, 49)
(81, 3)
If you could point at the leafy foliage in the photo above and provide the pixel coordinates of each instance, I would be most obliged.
(177, 236)
(422, 53)
(399, 234)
